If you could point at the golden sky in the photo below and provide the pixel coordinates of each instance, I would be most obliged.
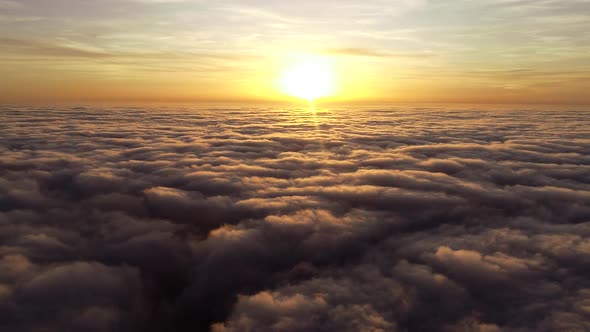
(496, 51)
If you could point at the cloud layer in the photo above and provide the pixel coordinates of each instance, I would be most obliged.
(423, 219)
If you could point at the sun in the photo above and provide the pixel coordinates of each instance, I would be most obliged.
(309, 79)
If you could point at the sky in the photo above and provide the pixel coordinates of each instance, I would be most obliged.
(485, 51)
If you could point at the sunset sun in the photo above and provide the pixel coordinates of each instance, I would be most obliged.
(309, 79)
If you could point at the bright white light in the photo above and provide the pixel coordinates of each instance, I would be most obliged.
(309, 79)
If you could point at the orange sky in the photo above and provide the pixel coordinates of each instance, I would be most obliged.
(489, 51)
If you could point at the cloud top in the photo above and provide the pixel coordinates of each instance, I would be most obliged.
(136, 219)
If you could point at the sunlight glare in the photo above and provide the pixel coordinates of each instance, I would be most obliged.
(309, 79)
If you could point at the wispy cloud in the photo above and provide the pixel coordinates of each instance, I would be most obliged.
(374, 53)
(410, 38)
(7, 4)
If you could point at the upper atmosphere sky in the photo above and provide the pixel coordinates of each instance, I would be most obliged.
(485, 51)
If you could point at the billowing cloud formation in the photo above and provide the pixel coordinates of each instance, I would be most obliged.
(421, 219)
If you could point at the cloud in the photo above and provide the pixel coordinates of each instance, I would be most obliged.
(8, 5)
(401, 219)
(364, 52)
(33, 48)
